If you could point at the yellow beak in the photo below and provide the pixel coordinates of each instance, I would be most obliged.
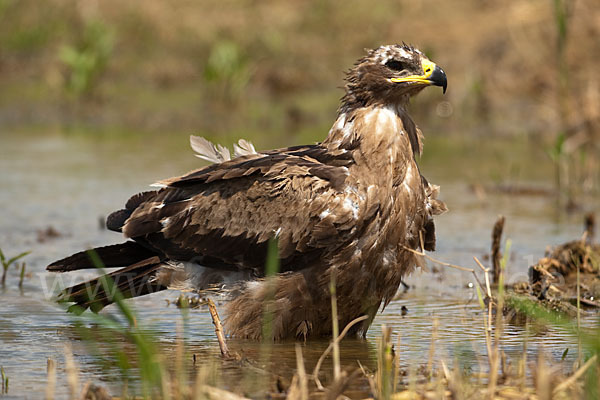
(432, 75)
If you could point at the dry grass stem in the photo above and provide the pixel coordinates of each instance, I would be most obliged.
(213, 393)
(178, 385)
(384, 363)
(330, 347)
(432, 346)
(573, 378)
(450, 265)
(334, 392)
(397, 363)
(335, 327)
(495, 359)
(486, 275)
(72, 373)
(51, 380)
(543, 379)
(445, 264)
(302, 379)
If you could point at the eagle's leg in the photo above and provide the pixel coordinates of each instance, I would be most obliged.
(370, 312)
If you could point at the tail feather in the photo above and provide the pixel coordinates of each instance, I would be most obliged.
(116, 220)
(114, 256)
(132, 281)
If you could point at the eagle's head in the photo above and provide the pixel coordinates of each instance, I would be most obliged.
(390, 75)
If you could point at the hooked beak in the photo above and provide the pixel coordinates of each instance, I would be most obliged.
(432, 75)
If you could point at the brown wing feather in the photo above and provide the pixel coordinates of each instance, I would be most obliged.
(222, 216)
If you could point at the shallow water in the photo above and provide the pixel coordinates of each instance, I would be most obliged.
(71, 182)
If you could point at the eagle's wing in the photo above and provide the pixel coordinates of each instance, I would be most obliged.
(222, 216)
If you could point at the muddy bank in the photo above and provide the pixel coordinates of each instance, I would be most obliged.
(566, 279)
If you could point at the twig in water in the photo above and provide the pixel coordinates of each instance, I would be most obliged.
(498, 331)
(328, 350)
(218, 328)
(486, 275)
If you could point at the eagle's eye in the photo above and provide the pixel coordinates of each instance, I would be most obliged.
(396, 65)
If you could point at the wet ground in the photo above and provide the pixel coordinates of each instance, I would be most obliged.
(71, 182)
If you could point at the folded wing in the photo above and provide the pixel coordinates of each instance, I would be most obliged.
(223, 216)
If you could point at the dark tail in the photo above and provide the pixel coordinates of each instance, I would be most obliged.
(135, 279)
(115, 256)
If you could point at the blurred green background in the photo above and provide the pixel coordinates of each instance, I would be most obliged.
(522, 72)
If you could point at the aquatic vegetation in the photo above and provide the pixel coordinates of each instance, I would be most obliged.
(4, 379)
(7, 262)
(22, 275)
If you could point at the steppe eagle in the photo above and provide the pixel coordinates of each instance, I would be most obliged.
(355, 203)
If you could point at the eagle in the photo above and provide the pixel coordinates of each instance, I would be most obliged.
(354, 206)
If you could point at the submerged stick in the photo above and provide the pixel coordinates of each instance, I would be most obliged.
(496, 240)
(218, 328)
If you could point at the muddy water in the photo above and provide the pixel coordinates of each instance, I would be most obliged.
(71, 182)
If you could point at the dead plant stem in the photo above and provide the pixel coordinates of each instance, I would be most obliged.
(302, 379)
(330, 347)
(337, 370)
(573, 378)
(218, 328)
